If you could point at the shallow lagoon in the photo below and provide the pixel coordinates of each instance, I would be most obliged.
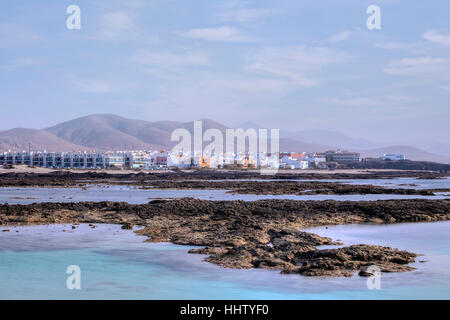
(118, 264)
(96, 193)
(408, 183)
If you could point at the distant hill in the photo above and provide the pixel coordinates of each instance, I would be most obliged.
(107, 132)
(292, 145)
(320, 140)
(332, 138)
(320, 137)
(443, 149)
(111, 132)
(19, 139)
(410, 153)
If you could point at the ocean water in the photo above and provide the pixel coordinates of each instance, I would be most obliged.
(135, 195)
(118, 264)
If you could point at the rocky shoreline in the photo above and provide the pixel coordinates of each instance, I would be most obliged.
(259, 234)
(239, 183)
(68, 178)
(287, 187)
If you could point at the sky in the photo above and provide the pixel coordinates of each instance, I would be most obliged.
(287, 64)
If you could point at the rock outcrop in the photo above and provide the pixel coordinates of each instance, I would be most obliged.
(259, 234)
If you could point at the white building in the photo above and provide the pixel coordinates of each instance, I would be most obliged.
(265, 160)
(181, 160)
(82, 160)
(137, 159)
(316, 160)
(290, 163)
(343, 156)
(393, 156)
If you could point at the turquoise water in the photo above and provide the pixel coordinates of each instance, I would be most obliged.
(134, 195)
(118, 264)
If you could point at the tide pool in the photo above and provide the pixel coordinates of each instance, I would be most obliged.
(117, 264)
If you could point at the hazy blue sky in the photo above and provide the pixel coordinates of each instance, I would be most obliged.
(286, 64)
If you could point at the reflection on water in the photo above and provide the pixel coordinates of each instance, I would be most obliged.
(118, 264)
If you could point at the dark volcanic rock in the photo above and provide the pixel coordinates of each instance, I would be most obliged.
(286, 187)
(127, 226)
(259, 234)
(339, 261)
(68, 178)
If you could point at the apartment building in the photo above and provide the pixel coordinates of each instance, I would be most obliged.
(342, 156)
(64, 159)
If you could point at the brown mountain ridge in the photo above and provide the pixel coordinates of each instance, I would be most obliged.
(103, 132)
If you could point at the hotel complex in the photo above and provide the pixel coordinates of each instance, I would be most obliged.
(163, 159)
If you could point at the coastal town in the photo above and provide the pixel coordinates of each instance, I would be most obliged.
(161, 159)
(225, 159)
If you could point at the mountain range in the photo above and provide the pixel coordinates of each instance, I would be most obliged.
(103, 132)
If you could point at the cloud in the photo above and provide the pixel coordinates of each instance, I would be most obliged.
(436, 37)
(358, 102)
(171, 59)
(417, 66)
(218, 96)
(400, 98)
(250, 85)
(299, 64)
(169, 64)
(13, 35)
(236, 12)
(115, 25)
(24, 63)
(379, 104)
(445, 88)
(223, 33)
(134, 3)
(396, 46)
(341, 36)
(93, 86)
